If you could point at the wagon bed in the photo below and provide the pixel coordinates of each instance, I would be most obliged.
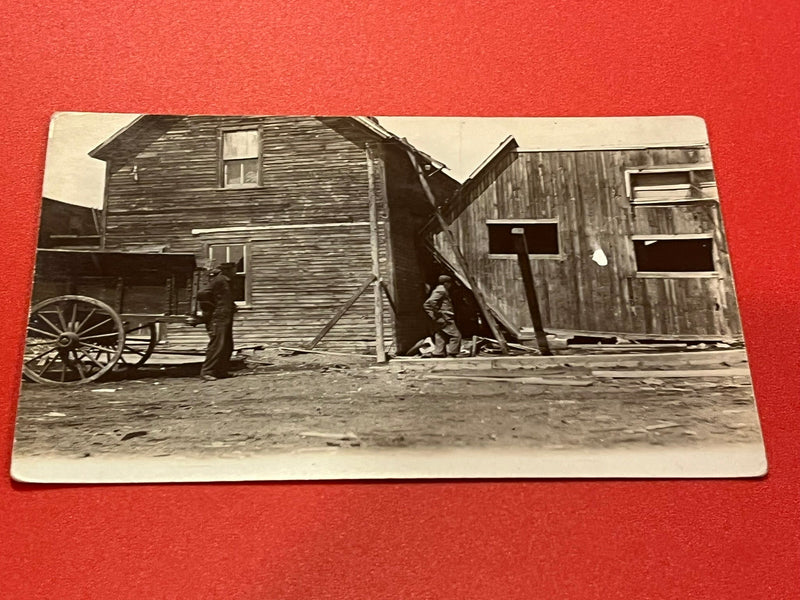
(95, 310)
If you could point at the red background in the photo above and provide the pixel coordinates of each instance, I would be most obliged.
(733, 62)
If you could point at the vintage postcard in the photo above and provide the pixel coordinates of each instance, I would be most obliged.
(270, 298)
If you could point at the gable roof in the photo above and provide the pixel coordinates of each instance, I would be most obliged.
(134, 130)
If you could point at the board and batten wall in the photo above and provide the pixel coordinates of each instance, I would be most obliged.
(306, 225)
(585, 192)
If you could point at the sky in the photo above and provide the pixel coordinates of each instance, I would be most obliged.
(462, 143)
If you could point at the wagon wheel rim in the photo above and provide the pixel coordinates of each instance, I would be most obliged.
(72, 340)
(137, 350)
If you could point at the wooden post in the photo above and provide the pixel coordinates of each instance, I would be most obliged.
(451, 242)
(380, 349)
(521, 246)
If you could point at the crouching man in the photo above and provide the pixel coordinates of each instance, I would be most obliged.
(218, 306)
(439, 307)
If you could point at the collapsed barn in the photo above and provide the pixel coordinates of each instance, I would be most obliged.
(623, 242)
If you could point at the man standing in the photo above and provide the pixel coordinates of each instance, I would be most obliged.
(218, 306)
(439, 307)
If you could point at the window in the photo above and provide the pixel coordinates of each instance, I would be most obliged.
(239, 255)
(540, 235)
(674, 255)
(240, 158)
(671, 184)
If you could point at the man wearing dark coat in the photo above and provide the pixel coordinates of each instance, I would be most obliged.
(216, 301)
(439, 307)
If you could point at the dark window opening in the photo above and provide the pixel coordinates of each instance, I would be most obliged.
(674, 255)
(542, 238)
(659, 179)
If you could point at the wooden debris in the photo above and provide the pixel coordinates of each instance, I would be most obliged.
(510, 345)
(332, 436)
(531, 380)
(306, 350)
(618, 347)
(678, 373)
(661, 426)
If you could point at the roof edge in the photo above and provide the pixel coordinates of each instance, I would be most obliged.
(98, 150)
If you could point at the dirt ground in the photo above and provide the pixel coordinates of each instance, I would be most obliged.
(310, 401)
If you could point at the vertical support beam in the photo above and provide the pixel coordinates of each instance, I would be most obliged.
(462, 262)
(521, 246)
(380, 348)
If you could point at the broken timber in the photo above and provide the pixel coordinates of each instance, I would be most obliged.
(450, 241)
(521, 246)
(340, 313)
(531, 380)
(730, 372)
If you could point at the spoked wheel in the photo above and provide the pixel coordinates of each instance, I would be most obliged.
(72, 340)
(140, 341)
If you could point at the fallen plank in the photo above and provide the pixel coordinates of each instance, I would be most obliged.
(531, 380)
(511, 345)
(306, 350)
(332, 436)
(665, 346)
(707, 357)
(679, 373)
(662, 426)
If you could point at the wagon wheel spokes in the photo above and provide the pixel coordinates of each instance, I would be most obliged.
(72, 339)
(140, 341)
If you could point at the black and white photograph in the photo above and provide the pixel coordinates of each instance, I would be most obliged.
(227, 298)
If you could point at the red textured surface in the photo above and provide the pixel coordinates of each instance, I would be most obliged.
(734, 62)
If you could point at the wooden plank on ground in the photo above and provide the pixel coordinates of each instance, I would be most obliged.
(732, 372)
(309, 351)
(531, 380)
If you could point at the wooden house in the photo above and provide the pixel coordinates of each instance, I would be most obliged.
(623, 241)
(310, 209)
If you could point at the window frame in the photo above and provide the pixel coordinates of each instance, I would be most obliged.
(629, 187)
(522, 223)
(675, 274)
(248, 272)
(221, 163)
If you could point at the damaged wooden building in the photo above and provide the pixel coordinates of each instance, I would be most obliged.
(624, 242)
(320, 215)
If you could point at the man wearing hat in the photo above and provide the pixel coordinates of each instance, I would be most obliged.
(439, 307)
(218, 306)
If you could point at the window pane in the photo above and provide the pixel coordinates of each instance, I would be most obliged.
(542, 238)
(240, 144)
(241, 172)
(674, 255)
(217, 254)
(250, 169)
(233, 173)
(236, 255)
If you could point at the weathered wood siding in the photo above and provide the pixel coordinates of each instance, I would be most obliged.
(585, 191)
(312, 175)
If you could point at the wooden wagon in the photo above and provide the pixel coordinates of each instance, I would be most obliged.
(95, 311)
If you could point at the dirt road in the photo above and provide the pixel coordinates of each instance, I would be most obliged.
(303, 402)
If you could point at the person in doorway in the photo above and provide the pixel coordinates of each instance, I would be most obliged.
(439, 307)
(218, 306)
